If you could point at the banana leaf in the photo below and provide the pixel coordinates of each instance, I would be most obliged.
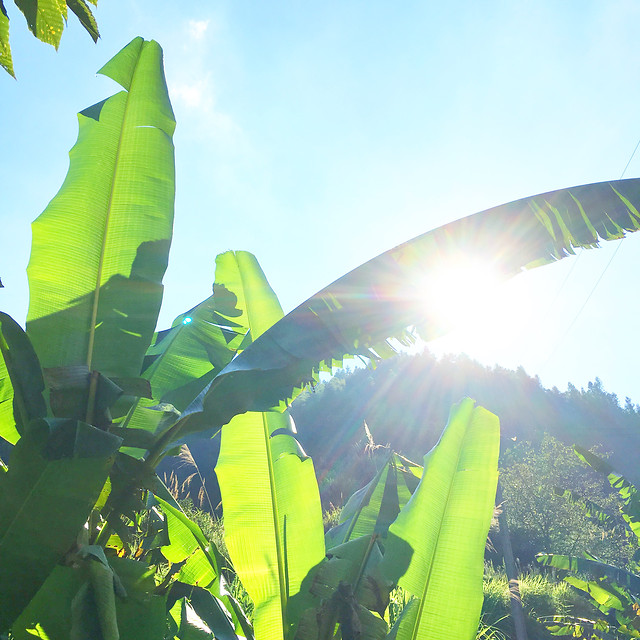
(101, 246)
(140, 613)
(373, 508)
(269, 491)
(184, 359)
(381, 298)
(21, 382)
(435, 548)
(597, 569)
(628, 492)
(55, 475)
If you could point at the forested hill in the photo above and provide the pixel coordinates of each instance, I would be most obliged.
(406, 400)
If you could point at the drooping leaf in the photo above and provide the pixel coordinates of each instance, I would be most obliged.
(56, 473)
(268, 486)
(595, 568)
(45, 18)
(592, 510)
(435, 548)
(86, 17)
(141, 613)
(373, 508)
(6, 61)
(381, 298)
(628, 492)
(100, 248)
(21, 382)
(182, 360)
(606, 595)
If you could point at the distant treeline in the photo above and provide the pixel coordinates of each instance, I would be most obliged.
(405, 402)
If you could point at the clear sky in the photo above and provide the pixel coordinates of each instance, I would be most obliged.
(319, 134)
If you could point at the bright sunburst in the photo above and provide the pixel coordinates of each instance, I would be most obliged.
(458, 290)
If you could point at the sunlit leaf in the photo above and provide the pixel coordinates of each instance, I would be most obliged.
(435, 548)
(6, 61)
(382, 297)
(268, 486)
(100, 248)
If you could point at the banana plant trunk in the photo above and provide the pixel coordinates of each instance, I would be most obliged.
(517, 612)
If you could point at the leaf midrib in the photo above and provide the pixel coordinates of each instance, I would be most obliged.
(96, 292)
(275, 514)
(416, 627)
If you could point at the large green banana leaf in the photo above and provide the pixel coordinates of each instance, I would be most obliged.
(55, 476)
(435, 548)
(101, 246)
(21, 382)
(381, 298)
(272, 513)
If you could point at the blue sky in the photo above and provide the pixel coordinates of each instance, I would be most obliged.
(318, 135)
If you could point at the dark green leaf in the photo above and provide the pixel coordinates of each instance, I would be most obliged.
(55, 475)
(20, 380)
(87, 20)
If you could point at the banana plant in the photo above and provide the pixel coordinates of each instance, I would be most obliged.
(615, 591)
(433, 547)
(268, 485)
(99, 253)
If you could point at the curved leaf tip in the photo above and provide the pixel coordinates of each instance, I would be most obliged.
(122, 66)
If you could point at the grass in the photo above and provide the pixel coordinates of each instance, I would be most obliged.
(541, 598)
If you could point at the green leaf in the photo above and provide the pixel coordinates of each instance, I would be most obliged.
(268, 486)
(595, 568)
(55, 476)
(435, 548)
(87, 20)
(141, 614)
(383, 297)
(628, 492)
(45, 18)
(373, 508)
(100, 248)
(21, 382)
(199, 611)
(6, 62)
(607, 596)
(184, 359)
(202, 563)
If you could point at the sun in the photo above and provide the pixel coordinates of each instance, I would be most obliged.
(458, 290)
(471, 307)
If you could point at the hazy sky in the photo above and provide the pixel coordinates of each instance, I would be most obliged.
(318, 135)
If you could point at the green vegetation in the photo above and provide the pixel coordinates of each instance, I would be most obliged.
(94, 397)
(46, 19)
